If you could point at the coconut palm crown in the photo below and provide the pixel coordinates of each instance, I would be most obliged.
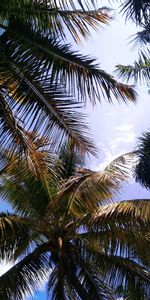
(66, 230)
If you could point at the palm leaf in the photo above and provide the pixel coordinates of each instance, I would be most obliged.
(42, 101)
(25, 276)
(40, 173)
(119, 237)
(136, 10)
(142, 38)
(76, 283)
(84, 192)
(134, 211)
(26, 192)
(54, 18)
(14, 231)
(121, 270)
(64, 277)
(77, 192)
(78, 22)
(102, 185)
(96, 287)
(21, 144)
(142, 170)
(70, 159)
(56, 283)
(121, 165)
(139, 71)
(72, 69)
(12, 134)
(117, 270)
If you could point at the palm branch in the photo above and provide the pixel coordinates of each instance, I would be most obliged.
(40, 75)
(56, 16)
(140, 71)
(24, 276)
(141, 171)
(142, 37)
(136, 10)
(139, 209)
(14, 232)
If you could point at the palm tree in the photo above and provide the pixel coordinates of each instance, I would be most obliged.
(65, 229)
(43, 82)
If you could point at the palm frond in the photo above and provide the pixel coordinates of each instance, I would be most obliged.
(74, 70)
(119, 270)
(142, 37)
(134, 211)
(116, 269)
(96, 287)
(23, 175)
(63, 278)
(56, 283)
(78, 22)
(138, 11)
(55, 18)
(142, 167)
(26, 192)
(44, 102)
(12, 134)
(19, 144)
(140, 71)
(121, 165)
(70, 159)
(84, 192)
(14, 231)
(25, 276)
(119, 237)
(76, 283)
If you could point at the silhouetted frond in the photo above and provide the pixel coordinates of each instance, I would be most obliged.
(14, 231)
(137, 10)
(24, 276)
(142, 168)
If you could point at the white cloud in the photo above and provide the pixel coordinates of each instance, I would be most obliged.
(124, 127)
(124, 138)
(122, 142)
(109, 157)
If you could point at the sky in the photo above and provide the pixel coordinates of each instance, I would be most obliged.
(115, 127)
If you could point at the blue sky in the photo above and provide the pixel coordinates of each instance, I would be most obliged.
(116, 127)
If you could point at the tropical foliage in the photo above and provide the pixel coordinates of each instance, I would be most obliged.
(139, 12)
(66, 229)
(67, 226)
(43, 82)
(142, 168)
(140, 71)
